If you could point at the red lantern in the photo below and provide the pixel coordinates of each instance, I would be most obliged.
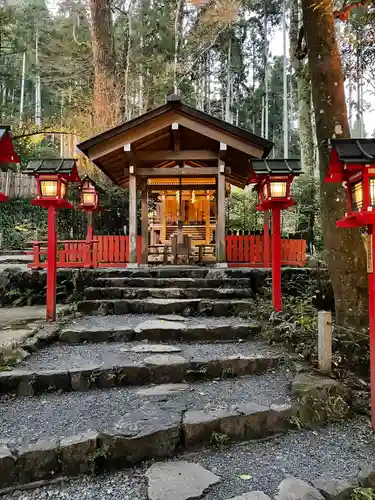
(352, 162)
(273, 179)
(52, 178)
(89, 195)
(3, 197)
(89, 203)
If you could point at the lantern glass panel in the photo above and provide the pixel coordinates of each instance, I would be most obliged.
(357, 195)
(48, 188)
(89, 198)
(63, 190)
(372, 192)
(278, 189)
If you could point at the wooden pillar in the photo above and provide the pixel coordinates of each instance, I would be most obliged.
(163, 219)
(144, 224)
(220, 215)
(207, 211)
(132, 216)
(266, 239)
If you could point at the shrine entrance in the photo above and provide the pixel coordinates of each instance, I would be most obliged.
(182, 162)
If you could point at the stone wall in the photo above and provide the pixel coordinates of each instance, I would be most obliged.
(27, 287)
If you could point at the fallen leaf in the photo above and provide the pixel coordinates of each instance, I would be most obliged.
(245, 477)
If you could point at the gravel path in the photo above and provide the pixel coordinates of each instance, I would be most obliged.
(132, 320)
(336, 451)
(73, 412)
(62, 356)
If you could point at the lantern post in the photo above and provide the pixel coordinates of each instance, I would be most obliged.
(273, 179)
(352, 163)
(52, 178)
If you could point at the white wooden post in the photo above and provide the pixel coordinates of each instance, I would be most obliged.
(325, 341)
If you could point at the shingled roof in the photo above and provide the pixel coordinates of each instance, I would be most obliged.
(277, 166)
(354, 150)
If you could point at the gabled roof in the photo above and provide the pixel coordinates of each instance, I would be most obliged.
(277, 166)
(62, 166)
(175, 135)
(174, 103)
(354, 150)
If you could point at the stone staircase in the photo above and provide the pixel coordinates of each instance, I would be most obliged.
(174, 290)
(148, 372)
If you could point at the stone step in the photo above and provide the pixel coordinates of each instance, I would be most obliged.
(186, 307)
(119, 282)
(94, 293)
(166, 328)
(76, 367)
(72, 433)
(337, 455)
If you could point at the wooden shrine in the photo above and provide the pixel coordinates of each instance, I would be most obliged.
(182, 159)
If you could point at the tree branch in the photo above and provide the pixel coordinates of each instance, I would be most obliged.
(40, 132)
(341, 14)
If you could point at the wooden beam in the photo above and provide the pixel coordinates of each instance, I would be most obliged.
(184, 187)
(220, 136)
(176, 137)
(132, 135)
(203, 154)
(133, 219)
(152, 140)
(177, 172)
(130, 153)
(144, 224)
(223, 151)
(220, 215)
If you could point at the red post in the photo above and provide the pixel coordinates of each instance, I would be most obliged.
(276, 259)
(266, 240)
(371, 310)
(51, 265)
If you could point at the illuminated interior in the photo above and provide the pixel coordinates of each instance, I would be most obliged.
(278, 189)
(357, 195)
(48, 188)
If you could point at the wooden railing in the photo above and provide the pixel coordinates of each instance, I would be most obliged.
(103, 251)
(113, 251)
(249, 251)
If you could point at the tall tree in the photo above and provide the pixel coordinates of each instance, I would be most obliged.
(106, 102)
(345, 252)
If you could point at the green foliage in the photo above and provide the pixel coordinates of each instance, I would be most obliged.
(362, 494)
(21, 222)
(219, 439)
(241, 212)
(322, 408)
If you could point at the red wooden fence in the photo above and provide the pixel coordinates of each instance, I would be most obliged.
(113, 251)
(248, 251)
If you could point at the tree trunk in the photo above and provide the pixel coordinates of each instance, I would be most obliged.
(345, 252)
(106, 102)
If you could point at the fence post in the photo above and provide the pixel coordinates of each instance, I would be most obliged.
(325, 341)
(1, 240)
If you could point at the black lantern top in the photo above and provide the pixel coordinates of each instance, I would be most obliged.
(66, 168)
(274, 167)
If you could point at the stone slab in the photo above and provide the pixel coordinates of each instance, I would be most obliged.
(296, 489)
(180, 480)
(147, 433)
(164, 359)
(159, 325)
(7, 466)
(163, 390)
(37, 460)
(171, 317)
(252, 495)
(155, 348)
(333, 489)
(78, 453)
